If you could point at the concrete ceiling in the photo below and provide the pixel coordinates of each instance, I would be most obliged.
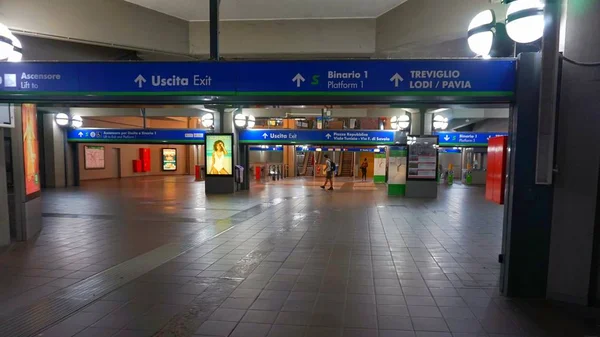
(197, 10)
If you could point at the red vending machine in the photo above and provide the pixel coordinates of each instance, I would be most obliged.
(145, 158)
(137, 165)
(496, 169)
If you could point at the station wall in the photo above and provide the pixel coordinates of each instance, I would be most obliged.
(128, 153)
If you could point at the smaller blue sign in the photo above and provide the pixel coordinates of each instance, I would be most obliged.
(450, 151)
(352, 149)
(266, 148)
(144, 136)
(367, 137)
(467, 139)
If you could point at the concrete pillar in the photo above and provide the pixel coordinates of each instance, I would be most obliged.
(416, 123)
(58, 170)
(574, 269)
(428, 126)
(4, 214)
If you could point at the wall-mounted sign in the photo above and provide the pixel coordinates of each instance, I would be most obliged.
(467, 139)
(219, 154)
(93, 157)
(397, 170)
(169, 159)
(356, 137)
(94, 80)
(139, 136)
(31, 153)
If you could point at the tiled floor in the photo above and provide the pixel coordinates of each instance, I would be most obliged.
(156, 257)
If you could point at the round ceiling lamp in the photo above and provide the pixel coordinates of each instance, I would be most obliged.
(251, 121)
(207, 120)
(6, 43)
(17, 51)
(440, 122)
(525, 20)
(400, 122)
(76, 121)
(240, 120)
(481, 33)
(61, 119)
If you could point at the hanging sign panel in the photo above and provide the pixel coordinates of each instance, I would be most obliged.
(466, 77)
(359, 137)
(140, 136)
(467, 139)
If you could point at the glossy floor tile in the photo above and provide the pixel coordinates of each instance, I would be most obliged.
(155, 256)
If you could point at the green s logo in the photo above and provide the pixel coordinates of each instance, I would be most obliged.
(315, 80)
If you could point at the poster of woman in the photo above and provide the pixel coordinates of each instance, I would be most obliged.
(30, 148)
(218, 154)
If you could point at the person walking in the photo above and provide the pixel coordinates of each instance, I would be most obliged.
(329, 169)
(363, 169)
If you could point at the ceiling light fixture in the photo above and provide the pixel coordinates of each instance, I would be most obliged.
(525, 20)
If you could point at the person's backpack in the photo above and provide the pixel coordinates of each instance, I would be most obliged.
(332, 166)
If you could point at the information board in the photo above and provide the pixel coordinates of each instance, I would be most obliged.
(169, 159)
(422, 158)
(219, 154)
(93, 157)
(31, 153)
(397, 170)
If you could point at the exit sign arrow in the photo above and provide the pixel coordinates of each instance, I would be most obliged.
(298, 79)
(140, 80)
(396, 79)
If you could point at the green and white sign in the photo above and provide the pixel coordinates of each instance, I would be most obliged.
(397, 170)
(379, 169)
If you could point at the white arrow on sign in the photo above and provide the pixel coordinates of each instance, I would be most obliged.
(80, 134)
(396, 79)
(446, 138)
(140, 80)
(327, 136)
(265, 135)
(298, 79)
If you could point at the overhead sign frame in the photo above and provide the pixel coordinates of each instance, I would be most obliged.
(466, 139)
(344, 81)
(317, 137)
(136, 136)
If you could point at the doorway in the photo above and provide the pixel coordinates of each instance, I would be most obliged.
(116, 158)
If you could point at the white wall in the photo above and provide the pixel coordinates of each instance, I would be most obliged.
(342, 37)
(418, 26)
(103, 21)
(492, 125)
(130, 152)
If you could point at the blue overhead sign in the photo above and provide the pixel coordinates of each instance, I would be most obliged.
(467, 139)
(367, 137)
(267, 78)
(337, 149)
(143, 136)
(266, 148)
(390, 77)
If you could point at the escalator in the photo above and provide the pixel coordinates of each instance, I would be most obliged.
(347, 164)
(308, 164)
